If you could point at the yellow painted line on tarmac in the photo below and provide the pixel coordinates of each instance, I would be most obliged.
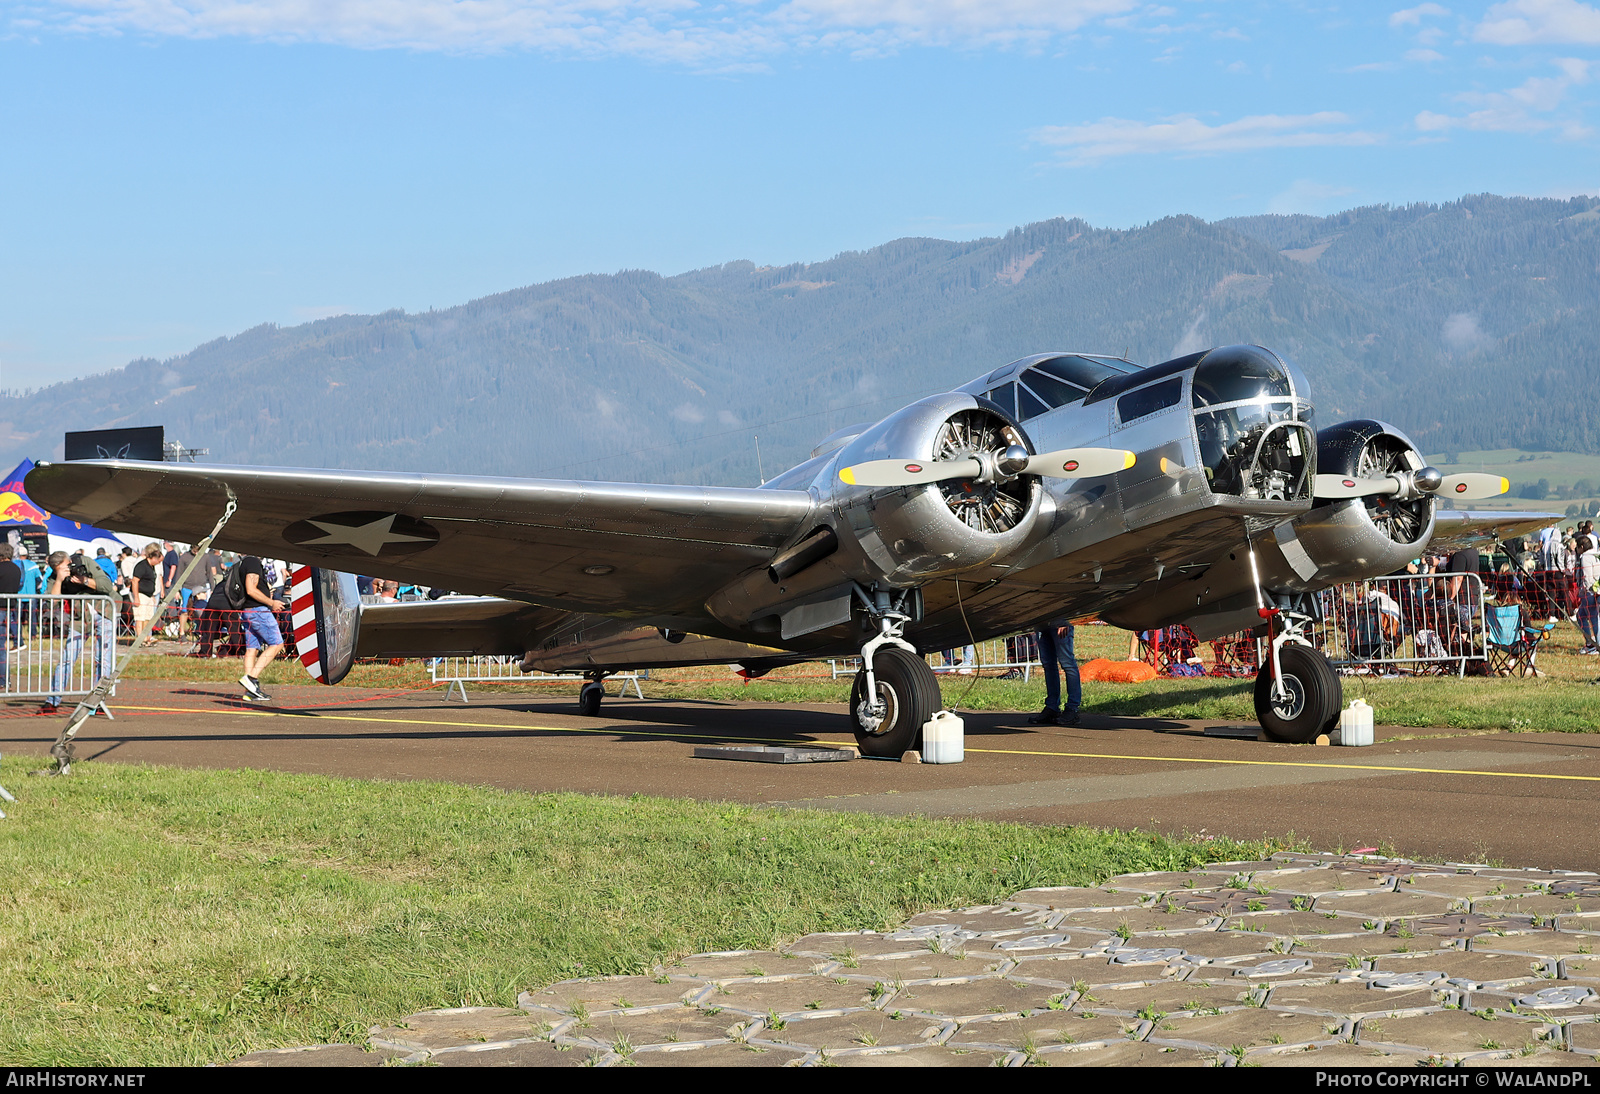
(614, 731)
(1290, 763)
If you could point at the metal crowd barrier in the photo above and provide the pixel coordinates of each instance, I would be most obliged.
(65, 644)
(1409, 622)
(458, 672)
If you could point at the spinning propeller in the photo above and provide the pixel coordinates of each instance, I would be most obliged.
(1067, 463)
(1469, 487)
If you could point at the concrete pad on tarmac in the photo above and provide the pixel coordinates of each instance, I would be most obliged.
(1524, 798)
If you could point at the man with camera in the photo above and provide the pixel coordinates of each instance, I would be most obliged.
(76, 577)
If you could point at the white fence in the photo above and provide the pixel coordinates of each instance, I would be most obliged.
(458, 672)
(64, 645)
(1415, 622)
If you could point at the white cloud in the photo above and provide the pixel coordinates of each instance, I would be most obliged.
(688, 412)
(683, 31)
(1517, 109)
(1461, 332)
(1540, 22)
(1424, 56)
(1306, 196)
(1186, 135)
(1414, 16)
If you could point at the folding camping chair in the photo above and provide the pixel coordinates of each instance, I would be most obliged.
(1508, 642)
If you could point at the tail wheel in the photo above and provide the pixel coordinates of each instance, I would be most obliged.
(910, 693)
(1314, 696)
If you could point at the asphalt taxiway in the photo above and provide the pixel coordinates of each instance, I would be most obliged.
(1525, 798)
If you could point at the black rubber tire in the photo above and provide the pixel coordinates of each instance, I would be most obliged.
(912, 691)
(589, 700)
(1318, 696)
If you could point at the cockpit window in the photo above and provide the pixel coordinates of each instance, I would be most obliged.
(1084, 372)
(1005, 396)
(1148, 400)
(1236, 375)
(1051, 391)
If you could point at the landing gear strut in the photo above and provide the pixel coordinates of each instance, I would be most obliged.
(1298, 695)
(895, 692)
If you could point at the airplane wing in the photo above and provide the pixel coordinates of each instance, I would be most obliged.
(1454, 529)
(610, 548)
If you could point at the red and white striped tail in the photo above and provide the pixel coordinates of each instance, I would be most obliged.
(303, 618)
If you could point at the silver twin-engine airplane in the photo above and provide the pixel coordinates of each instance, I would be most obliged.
(1195, 491)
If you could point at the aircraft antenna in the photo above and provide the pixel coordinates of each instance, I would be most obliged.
(759, 472)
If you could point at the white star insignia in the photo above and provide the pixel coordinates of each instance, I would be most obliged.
(370, 538)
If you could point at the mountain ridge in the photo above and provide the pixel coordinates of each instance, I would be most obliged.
(1468, 324)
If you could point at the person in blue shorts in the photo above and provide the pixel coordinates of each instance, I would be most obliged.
(263, 641)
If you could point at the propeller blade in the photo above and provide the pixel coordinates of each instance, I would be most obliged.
(908, 472)
(1473, 486)
(1079, 463)
(1342, 486)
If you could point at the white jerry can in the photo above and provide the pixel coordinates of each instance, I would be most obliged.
(1355, 724)
(944, 739)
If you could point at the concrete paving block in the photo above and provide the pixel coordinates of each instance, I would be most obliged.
(1068, 897)
(438, 1029)
(612, 993)
(1351, 999)
(853, 947)
(722, 1054)
(1453, 1032)
(1252, 1027)
(1139, 920)
(924, 966)
(1385, 905)
(1302, 924)
(916, 1057)
(1584, 1036)
(1566, 998)
(1002, 919)
(1542, 1057)
(758, 997)
(1465, 966)
(707, 967)
(528, 1053)
(1333, 881)
(1467, 887)
(1046, 1028)
(1543, 908)
(1336, 1055)
(973, 997)
(1227, 902)
(1167, 997)
(318, 1056)
(857, 1029)
(664, 1027)
(1126, 1054)
(1155, 884)
(1545, 944)
(1295, 967)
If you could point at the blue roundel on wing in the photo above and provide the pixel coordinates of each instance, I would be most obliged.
(371, 533)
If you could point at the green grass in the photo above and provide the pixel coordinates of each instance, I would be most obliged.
(165, 916)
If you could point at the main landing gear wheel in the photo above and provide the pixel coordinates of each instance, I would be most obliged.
(910, 693)
(589, 699)
(1313, 700)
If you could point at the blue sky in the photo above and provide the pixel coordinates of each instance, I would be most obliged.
(172, 171)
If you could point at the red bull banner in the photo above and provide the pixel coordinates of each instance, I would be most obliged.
(17, 508)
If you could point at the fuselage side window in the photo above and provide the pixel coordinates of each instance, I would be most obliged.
(1148, 400)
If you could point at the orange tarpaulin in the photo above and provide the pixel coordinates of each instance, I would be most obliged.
(1116, 672)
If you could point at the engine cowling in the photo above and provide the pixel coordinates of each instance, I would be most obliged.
(1356, 537)
(906, 535)
(896, 536)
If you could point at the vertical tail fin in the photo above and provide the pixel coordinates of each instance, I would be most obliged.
(325, 612)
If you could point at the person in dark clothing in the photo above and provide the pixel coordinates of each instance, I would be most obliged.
(10, 604)
(71, 577)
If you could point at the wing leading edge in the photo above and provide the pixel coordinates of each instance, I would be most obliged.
(610, 548)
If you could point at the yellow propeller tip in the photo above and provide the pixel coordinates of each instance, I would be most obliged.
(1505, 484)
(1128, 459)
(1163, 465)
(847, 474)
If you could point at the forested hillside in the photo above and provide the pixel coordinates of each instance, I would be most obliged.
(1470, 324)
